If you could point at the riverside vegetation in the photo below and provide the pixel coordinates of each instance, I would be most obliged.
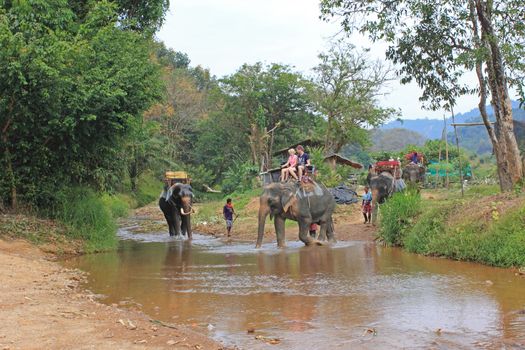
(483, 226)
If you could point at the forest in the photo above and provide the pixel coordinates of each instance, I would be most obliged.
(91, 100)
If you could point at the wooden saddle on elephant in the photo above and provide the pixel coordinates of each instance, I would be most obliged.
(307, 186)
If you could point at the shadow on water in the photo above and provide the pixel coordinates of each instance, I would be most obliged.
(316, 297)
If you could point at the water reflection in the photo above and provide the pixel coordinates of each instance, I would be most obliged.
(316, 297)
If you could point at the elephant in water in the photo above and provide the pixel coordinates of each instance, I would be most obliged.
(304, 203)
(176, 203)
(414, 173)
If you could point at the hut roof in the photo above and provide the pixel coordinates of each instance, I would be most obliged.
(342, 160)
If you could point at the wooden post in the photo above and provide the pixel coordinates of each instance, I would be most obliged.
(439, 159)
(459, 154)
(446, 150)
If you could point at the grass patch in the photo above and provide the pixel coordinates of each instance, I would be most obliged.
(88, 218)
(148, 190)
(397, 214)
(482, 227)
(118, 205)
(39, 232)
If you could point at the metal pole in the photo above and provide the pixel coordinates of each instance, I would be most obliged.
(459, 155)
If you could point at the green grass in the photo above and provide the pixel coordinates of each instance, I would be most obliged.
(397, 214)
(88, 218)
(497, 241)
(148, 190)
(118, 205)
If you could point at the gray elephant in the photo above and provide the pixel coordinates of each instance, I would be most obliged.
(414, 173)
(306, 204)
(176, 203)
(383, 186)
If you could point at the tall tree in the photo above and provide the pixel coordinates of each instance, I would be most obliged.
(346, 87)
(264, 101)
(436, 42)
(144, 16)
(68, 94)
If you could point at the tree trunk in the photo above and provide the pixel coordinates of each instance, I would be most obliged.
(328, 139)
(509, 162)
(10, 175)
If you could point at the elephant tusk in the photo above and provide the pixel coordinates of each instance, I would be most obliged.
(183, 213)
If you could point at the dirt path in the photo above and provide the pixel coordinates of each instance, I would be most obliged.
(43, 307)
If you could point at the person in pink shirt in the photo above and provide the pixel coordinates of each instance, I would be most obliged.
(290, 167)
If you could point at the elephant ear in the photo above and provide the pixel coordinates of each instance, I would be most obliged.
(288, 199)
(173, 192)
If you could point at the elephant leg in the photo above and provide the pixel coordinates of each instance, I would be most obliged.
(330, 230)
(169, 221)
(322, 232)
(375, 209)
(280, 230)
(177, 224)
(304, 233)
(186, 223)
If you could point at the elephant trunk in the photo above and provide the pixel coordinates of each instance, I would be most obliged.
(264, 210)
(186, 208)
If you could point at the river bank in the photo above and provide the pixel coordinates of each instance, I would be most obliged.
(483, 226)
(43, 305)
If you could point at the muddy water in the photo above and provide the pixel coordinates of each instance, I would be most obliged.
(350, 296)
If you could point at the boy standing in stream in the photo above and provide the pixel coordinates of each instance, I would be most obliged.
(228, 212)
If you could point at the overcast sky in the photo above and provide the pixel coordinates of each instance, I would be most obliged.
(223, 34)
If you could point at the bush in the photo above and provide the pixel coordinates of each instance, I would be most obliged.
(148, 189)
(118, 205)
(88, 218)
(397, 215)
(240, 177)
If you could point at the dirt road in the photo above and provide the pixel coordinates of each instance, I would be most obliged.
(42, 306)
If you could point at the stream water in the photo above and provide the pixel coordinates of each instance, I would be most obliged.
(350, 296)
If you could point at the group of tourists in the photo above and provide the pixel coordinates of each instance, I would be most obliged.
(297, 164)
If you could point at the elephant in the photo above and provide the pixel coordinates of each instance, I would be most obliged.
(176, 203)
(414, 173)
(306, 204)
(383, 186)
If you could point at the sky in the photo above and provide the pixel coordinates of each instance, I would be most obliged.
(223, 34)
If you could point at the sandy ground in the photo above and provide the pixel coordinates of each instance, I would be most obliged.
(42, 306)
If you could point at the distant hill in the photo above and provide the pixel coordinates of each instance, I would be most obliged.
(395, 139)
(432, 128)
(476, 139)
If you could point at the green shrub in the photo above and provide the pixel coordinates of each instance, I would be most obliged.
(148, 189)
(240, 177)
(118, 205)
(397, 215)
(88, 218)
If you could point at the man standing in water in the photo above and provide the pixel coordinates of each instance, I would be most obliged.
(367, 205)
(228, 213)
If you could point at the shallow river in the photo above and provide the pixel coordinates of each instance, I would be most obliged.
(352, 295)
